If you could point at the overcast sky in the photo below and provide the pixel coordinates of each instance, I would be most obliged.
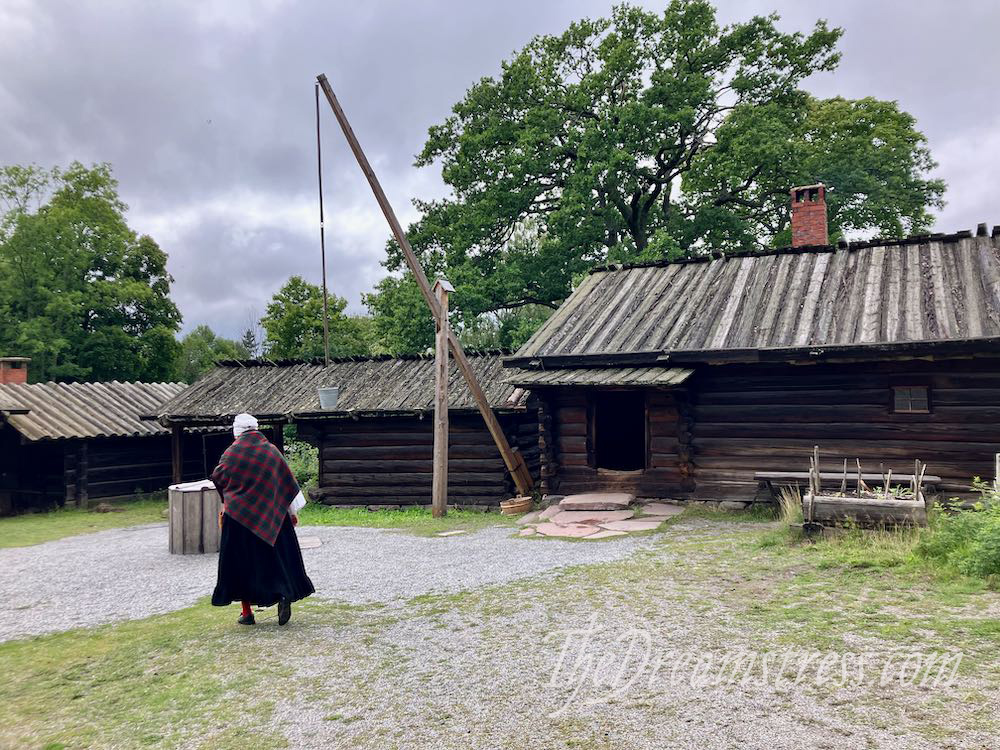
(206, 111)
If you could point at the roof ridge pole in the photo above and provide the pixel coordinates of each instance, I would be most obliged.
(322, 236)
(513, 459)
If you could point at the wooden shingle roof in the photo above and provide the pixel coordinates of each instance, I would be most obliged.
(369, 385)
(57, 411)
(935, 288)
(661, 377)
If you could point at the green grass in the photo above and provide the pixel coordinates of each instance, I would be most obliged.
(35, 528)
(193, 679)
(758, 513)
(415, 520)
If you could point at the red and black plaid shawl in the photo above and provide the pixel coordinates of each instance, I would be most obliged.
(256, 484)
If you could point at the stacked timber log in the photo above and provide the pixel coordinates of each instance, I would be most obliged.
(390, 460)
(865, 506)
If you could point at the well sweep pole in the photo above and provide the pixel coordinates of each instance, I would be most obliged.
(513, 459)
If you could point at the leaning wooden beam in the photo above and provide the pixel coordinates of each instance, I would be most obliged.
(513, 460)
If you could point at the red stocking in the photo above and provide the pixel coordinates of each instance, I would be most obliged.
(246, 609)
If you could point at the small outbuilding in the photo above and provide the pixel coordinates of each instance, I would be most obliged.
(74, 443)
(375, 443)
(684, 379)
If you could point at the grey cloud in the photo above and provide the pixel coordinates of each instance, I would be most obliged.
(205, 109)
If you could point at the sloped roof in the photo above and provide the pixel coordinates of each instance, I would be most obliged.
(367, 385)
(601, 376)
(934, 288)
(53, 411)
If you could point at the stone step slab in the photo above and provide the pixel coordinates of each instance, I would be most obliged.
(632, 524)
(605, 534)
(597, 501)
(549, 512)
(592, 517)
(529, 518)
(575, 530)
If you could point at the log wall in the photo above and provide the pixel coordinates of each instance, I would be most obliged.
(51, 473)
(388, 460)
(768, 417)
(567, 448)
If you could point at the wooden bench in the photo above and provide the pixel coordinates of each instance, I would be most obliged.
(766, 480)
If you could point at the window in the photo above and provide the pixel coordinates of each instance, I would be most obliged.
(618, 430)
(910, 400)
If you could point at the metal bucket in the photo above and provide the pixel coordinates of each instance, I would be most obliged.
(328, 397)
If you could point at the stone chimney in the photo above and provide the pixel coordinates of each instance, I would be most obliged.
(809, 215)
(14, 370)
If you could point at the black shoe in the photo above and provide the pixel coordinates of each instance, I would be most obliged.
(246, 620)
(284, 612)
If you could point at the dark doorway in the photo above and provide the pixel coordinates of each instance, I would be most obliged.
(618, 430)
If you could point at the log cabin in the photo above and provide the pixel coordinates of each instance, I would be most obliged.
(76, 443)
(375, 445)
(682, 379)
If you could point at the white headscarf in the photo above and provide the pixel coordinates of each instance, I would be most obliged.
(244, 422)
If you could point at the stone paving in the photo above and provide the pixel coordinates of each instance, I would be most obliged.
(597, 515)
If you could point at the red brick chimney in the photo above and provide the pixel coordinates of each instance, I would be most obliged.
(809, 215)
(14, 370)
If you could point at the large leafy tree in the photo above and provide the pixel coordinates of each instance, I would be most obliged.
(201, 349)
(81, 293)
(648, 135)
(293, 324)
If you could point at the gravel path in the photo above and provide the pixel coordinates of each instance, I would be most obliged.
(126, 574)
(487, 672)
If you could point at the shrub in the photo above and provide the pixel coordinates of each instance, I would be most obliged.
(303, 459)
(967, 539)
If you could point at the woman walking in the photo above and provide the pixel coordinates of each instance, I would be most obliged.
(259, 557)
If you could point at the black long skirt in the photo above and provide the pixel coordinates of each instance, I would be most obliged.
(252, 570)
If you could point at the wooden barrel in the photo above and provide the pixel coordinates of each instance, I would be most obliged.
(194, 518)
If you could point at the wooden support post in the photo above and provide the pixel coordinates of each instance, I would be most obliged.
(439, 482)
(513, 459)
(69, 478)
(278, 431)
(176, 454)
(82, 469)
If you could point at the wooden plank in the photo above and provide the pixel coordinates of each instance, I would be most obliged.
(720, 331)
(871, 310)
(836, 476)
(768, 319)
(464, 464)
(361, 479)
(784, 332)
(380, 452)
